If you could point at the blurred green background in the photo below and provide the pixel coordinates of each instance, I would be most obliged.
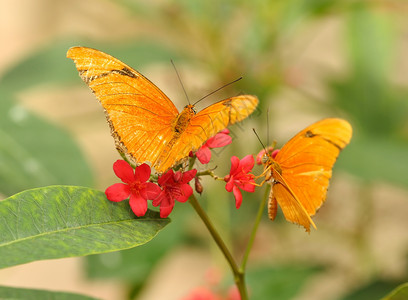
(305, 60)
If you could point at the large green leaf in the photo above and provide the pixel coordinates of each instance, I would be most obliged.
(279, 283)
(19, 293)
(400, 293)
(66, 221)
(36, 153)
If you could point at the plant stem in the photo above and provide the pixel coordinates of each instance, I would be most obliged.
(254, 230)
(238, 274)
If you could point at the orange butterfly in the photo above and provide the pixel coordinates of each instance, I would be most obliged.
(301, 170)
(143, 120)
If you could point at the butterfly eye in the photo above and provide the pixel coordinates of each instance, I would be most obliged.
(265, 158)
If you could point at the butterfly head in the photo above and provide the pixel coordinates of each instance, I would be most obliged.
(267, 155)
(191, 108)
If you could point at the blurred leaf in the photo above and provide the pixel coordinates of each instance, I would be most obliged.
(399, 293)
(36, 153)
(19, 293)
(279, 283)
(50, 65)
(376, 159)
(370, 41)
(134, 266)
(373, 290)
(376, 108)
(140, 53)
(67, 221)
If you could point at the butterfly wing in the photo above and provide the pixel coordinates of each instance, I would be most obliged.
(207, 123)
(139, 113)
(218, 116)
(306, 163)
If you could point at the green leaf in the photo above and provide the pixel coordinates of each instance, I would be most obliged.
(19, 293)
(372, 290)
(399, 293)
(66, 221)
(376, 159)
(281, 283)
(36, 153)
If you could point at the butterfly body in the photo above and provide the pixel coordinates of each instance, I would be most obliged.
(144, 122)
(183, 119)
(301, 170)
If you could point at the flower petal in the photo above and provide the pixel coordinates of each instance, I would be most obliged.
(165, 211)
(186, 192)
(247, 163)
(219, 140)
(159, 198)
(178, 175)
(234, 164)
(203, 154)
(166, 204)
(124, 171)
(151, 191)
(138, 204)
(117, 192)
(274, 153)
(238, 196)
(162, 180)
(142, 173)
(230, 184)
(260, 157)
(248, 187)
(189, 175)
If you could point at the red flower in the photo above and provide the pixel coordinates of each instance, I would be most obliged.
(261, 154)
(240, 178)
(221, 139)
(202, 293)
(174, 187)
(233, 293)
(134, 185)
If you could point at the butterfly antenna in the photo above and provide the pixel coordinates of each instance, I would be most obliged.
(181, 82)
(225, 85)
(267, 126)
(259, 139)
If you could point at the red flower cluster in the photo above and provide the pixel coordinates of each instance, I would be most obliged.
(240, 178)
(172, 186)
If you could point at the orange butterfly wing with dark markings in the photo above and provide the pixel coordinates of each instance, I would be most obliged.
(303, 167)
(144, 121)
